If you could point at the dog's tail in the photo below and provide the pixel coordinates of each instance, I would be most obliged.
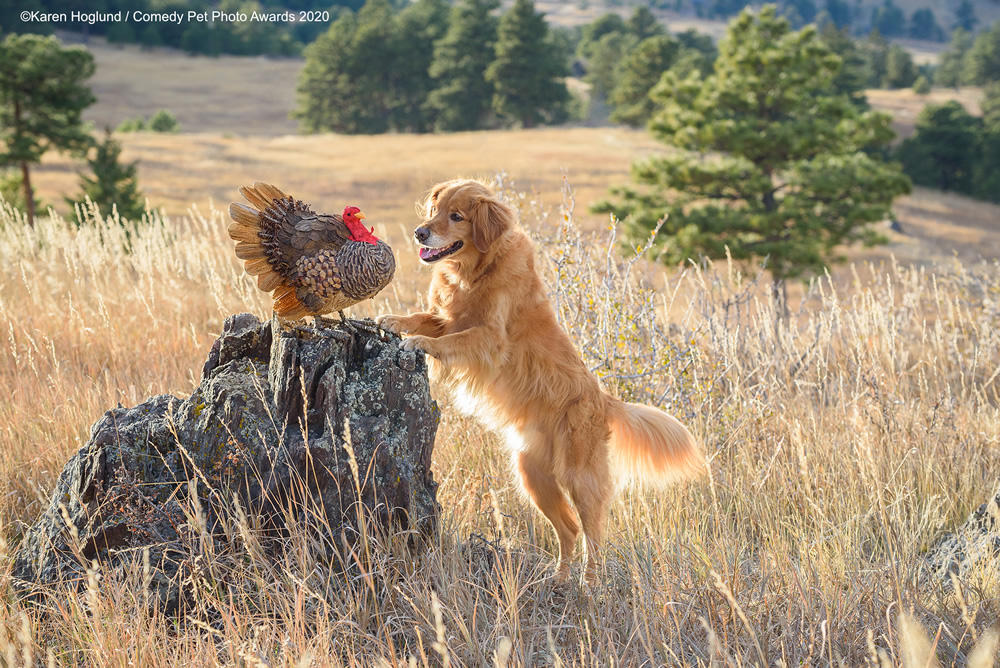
(651, 446)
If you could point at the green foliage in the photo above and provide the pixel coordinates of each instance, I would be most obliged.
(965, 16)
(900, 72)
(768, 162)
(944, 149)
(982, 62)
(137, 124)
(370, 72)
(889, 19)
(699, 49)
(839, 12)
(924, 25)
(462, 98)
(875, 51)
(527, 72)
(42, 98)
(643, 24)
(418, 28)
(951, 64)
(605, 60)
(990, 106)
(12, 191)
(594, 31)
(113, 185)
(851, 78)
(163, 121)
(639, 73)
(150, 37)
(921, 86)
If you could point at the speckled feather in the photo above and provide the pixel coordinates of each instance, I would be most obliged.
(308, 260)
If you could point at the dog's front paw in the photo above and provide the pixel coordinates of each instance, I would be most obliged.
(390, 323)
(418, 342)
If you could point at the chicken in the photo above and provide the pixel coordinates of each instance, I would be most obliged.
(311, 263)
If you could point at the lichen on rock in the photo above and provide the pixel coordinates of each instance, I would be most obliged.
(275, 423)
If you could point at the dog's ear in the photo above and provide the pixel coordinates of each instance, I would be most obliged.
(490, 219)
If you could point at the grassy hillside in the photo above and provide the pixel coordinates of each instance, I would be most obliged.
(841, 447)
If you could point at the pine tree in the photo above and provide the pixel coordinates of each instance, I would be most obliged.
(598, 28)
(851, 78)
(527, 73)
(900, 72)
(325, 90)
(986, 174)
(950, 67)
(643, 24)
(42, 97)
(639, 73)
(767, 161)
(983, 59)
(462, 97)
(965, 16)
(113, 185)
(944, 149)
(606, 59)
(418, 27)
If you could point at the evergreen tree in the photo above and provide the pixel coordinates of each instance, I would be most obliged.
(839, 12)
(113, 184)
(463, 97)
(643, 24)
(965, 16)
(983, 60)
(768, 162)
(875, 50)
(921, 86)
(527, 73)
(944, 150)
(606, 58)
(164, 121)
(150, 37)
(889, 19)
(699, 48)
(923, 25)
(986, 174)
(640, 72)
(326, 90)
(419, 26)
(900, 72)
(951, 64)
(42, 97)
(594, 31)
(851, 78)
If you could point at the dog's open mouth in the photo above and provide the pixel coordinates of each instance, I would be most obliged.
(435, 254)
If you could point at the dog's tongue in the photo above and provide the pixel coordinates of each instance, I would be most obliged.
(426, 253)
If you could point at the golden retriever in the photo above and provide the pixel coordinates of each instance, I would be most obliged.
(494, 339)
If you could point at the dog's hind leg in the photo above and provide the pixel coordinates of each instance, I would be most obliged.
(541, 486)
(588, 479)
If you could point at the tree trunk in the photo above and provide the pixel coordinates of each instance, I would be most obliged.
(29, 193)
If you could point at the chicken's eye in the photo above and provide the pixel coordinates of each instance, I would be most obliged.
(456, 217)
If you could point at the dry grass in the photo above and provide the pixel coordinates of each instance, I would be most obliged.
(904, 105)
(245, 96)
(842, 445)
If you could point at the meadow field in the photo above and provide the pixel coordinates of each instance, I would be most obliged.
(843, 443)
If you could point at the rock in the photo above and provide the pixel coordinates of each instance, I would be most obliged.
(973, 548)
(273, 426)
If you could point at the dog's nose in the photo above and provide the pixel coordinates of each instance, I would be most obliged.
(421, 234)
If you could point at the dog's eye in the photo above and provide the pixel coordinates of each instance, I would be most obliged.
(456, 217)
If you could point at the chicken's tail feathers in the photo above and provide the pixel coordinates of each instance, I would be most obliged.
(651, 446)
(250, 232)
